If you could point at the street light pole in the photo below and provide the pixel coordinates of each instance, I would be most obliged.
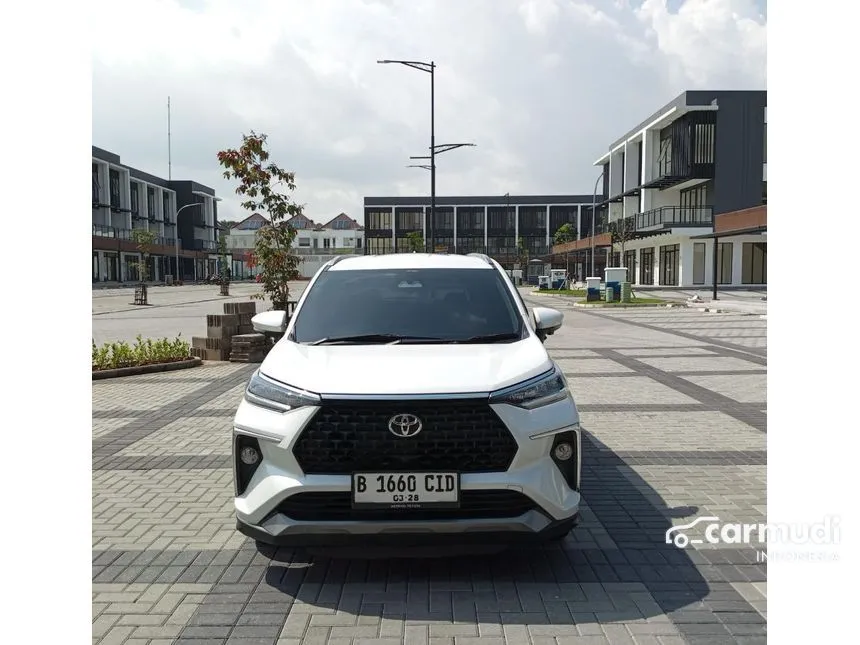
(176, 238)
(593, 217)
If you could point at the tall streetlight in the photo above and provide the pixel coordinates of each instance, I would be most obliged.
(430, 69)
(593, 213)
(176, 239)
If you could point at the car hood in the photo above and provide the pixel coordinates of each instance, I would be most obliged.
(405, 369)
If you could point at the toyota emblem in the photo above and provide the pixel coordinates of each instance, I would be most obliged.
(404, 425)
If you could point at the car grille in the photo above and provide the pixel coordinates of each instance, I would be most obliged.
(463, 436)
(337, 506)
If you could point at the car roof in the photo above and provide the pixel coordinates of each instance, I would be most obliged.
(410, 261)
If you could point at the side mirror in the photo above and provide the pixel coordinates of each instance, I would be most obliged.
(270, 321)
(547, 321)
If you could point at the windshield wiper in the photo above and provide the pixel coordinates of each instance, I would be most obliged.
(490, 338)
(376, 338)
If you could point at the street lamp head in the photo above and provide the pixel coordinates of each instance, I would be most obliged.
(383, 62)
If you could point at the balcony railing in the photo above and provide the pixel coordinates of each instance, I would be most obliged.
(674, 216)
(308, 250)
(100, 230)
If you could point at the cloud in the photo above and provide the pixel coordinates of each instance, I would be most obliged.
(541, 86)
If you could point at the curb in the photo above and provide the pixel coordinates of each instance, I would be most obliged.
(632, 305)
(146, 369)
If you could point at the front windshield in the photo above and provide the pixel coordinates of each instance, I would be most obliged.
(430, 304)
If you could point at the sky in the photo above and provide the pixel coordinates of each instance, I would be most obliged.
(541, 87)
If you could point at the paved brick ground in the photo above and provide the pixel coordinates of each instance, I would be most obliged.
(674, 404)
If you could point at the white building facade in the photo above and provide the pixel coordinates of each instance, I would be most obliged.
(315, 243)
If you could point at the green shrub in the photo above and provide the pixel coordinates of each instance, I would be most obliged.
(144, 352)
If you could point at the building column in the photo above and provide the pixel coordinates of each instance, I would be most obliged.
(579, 221)
(456, 210)
(394, 229)
(486, 226)
(547, 226)
(516, 225)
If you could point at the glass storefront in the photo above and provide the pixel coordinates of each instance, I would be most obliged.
(669, 264)
(754, 263)
(646, 267)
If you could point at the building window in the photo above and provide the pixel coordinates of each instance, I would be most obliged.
(95, 266)
(305, 242)
(470, 221)
(703, 134)
(669, 265)
(111, 267)
(630, 264)
(724, 262)
(754, 263)
(114, 189)
(96, 185)
(409, 219)
(532, 220)
(501, 219)
(150, 202)
(135, 199)
(764, 192)
(131, 268)
(698, 263)
(326, 243)
(380, 245)
(358, 242)
(646, 267)
(664, 160)
(378, 220)
(444, 220)
(165, 206)
(561, 215)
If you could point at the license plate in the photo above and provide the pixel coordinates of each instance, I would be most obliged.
(406, 490)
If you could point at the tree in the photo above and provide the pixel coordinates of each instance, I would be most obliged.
(260, 183)
(415, 239)
(565, 233)
(225, 269)
(622, 231)
(522, 254)
(144, 240)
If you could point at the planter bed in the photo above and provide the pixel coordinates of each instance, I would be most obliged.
(152, 368)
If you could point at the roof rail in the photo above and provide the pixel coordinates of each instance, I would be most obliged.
(334, 261)
(481, 256)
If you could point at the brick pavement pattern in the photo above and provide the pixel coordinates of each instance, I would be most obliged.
(674, 408)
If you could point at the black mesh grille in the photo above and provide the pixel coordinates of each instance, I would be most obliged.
(463, 436)
(337, 506)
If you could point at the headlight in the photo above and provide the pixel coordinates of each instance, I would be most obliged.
(270, 394)
(534, 393)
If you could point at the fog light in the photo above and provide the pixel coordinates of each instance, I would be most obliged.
(563, 451)
(250, 456)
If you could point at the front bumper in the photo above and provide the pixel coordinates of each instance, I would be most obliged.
(531, 527)
(532, 474)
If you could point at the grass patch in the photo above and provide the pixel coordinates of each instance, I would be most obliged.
(578, 293)
(633, 302)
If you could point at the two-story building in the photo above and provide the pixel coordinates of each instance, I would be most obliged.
(696, 161)
(182, 215)
(508, 228)
(315, 243)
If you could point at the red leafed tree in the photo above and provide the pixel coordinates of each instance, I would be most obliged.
(260, 183)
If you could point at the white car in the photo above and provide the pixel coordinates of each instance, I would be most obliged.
(409, 399)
